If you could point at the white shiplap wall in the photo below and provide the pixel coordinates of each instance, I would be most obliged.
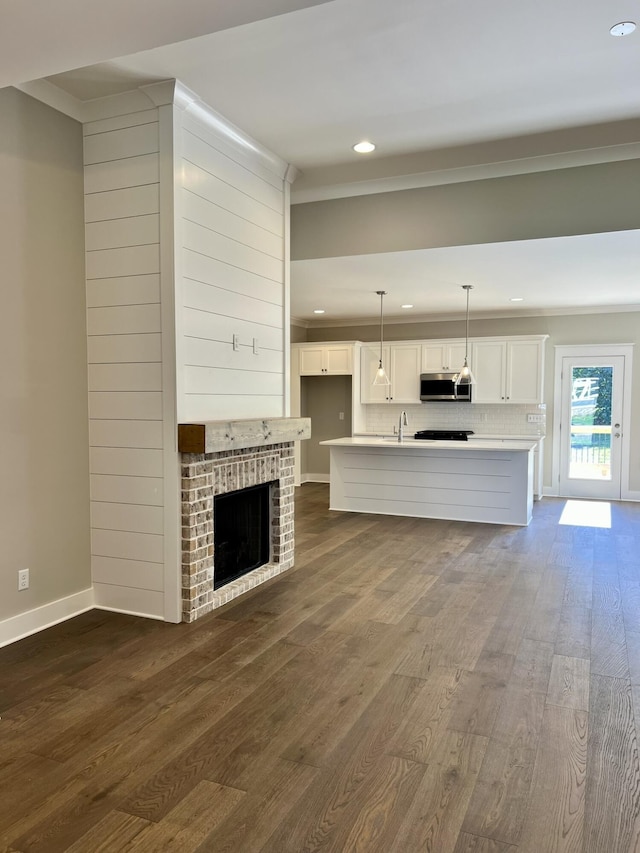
(186, 236)
(230, 277)
(122, 211)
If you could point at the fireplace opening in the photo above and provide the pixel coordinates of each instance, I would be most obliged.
(241, 532)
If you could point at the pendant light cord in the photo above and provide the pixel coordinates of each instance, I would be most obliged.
(381, 294)
(381, 298)
(466, 343)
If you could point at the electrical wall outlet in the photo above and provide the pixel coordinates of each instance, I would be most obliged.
(340, 416)
(535, 419)
(23, 579)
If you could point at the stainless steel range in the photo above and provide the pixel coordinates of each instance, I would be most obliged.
(444, 434)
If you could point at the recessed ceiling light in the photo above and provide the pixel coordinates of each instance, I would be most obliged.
(364, 147)
(318, 310)
(517, 299)
(624, 28)
(406, 306)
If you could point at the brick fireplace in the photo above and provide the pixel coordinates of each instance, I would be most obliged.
(234, 455)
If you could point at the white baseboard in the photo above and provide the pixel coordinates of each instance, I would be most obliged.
(628, 495)
(315, 478)
(130, 613)
(24, 624)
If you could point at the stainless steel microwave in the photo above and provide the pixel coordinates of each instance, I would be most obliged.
(440, 387)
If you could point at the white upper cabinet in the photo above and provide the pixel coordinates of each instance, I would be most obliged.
(508, 371)
(489, 367)
(442, 355)
(326, 359)
(369, 359)
(402, 363)
(405, 373)
(525, 371)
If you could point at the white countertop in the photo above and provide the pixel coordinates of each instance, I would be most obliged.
(477, 436)
(482, 436)
(411, 443)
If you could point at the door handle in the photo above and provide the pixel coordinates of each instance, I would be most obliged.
(616, 435)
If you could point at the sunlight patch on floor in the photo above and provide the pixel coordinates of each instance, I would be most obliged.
(587, 514)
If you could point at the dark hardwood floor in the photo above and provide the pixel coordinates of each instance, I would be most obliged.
(411, 685)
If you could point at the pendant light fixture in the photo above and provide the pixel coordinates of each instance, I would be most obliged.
(465, 376)
(381, 377)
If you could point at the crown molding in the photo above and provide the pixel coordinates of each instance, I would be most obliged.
(464, 173)
(193, 105)
(123, 103)
(53, 96)
(160, 94)
(144, 97)
(475, 315)
(163, 93)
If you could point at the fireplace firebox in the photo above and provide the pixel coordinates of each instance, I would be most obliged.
(242, 532)
(219, 458)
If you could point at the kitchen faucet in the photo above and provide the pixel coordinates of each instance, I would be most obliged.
(402, 423)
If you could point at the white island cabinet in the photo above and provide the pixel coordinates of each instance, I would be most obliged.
(455, 480)
(538, 455)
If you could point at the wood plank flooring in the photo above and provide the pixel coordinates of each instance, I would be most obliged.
(412, 685)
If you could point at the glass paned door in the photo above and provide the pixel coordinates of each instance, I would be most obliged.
(590, 457)
(591, 427)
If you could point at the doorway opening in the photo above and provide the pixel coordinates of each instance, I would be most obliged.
(591, 421)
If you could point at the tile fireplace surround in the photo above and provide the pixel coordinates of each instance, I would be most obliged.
(219, 457)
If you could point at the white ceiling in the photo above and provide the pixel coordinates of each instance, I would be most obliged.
(415, 76)
(552, 275)
(411, 75)
(41, 37)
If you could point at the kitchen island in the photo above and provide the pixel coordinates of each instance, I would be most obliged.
(455, 480)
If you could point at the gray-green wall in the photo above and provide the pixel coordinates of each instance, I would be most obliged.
(558, 202)
(44, 466)
(568, 330)
(322, 398)
(298, 334)
(562, 202)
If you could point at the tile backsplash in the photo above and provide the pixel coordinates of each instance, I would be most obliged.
(482, 419)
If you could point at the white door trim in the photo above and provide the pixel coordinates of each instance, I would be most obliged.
(600, 351)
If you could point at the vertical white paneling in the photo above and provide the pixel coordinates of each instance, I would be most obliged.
(117, 144)
(114, 433)
(170, 287)
(128, 599)
(126, 231)
(124, 326)
(125, 377)
(187, 319)
(286, 302)
(120, 204)
(124, 290)
(121, 174)
(106, 348)
(232, 245)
